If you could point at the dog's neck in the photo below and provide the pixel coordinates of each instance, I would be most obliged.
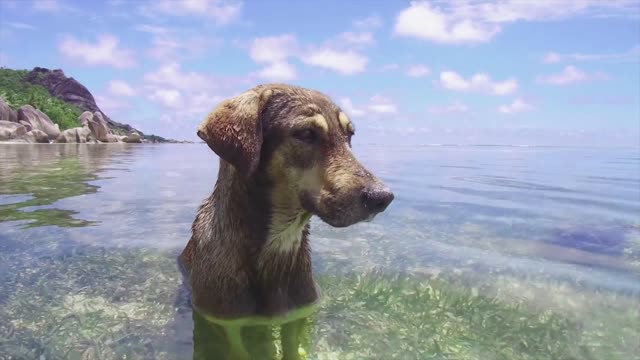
(269, 217)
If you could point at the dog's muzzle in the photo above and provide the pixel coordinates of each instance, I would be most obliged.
(375, 200)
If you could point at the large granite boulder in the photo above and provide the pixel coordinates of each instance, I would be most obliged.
(11, 130)
(85, 117)
(37, 136)
(38, 120)
(26, 125)
(76, 135)
(99, 127)
(7, 113)
(132, 137)
(85, 134)
(112, 138)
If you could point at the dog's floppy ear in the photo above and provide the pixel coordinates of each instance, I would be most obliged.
(233, 130)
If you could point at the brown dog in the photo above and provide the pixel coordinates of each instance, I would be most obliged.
(285, 155)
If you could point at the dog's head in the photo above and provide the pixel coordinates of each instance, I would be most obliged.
(298, 141)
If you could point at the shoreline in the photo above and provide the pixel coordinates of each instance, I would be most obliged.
(13, 142)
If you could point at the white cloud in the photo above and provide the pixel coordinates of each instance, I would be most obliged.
(481, 83)
(544, 10)
(377, 104)
(370, 22)
(389, 67)
(423, 21)
(345, 62)
(418, 71)
(151, 29)
(171, 75)
(453, 108)
(170, 98)
(363, 38)
(278, 71)
(632, 55)
(222, 12)
(46, 5)
(382, 105)
(186, 94)
(105, 51)
(273, 48)
(517, 106)
(202, 103)
(349, 109)
(111, 105)
(176, 44)
(20, 25)
(569, 75)
(121, 88)
(187, 47)
(183, 106)
(276, 50)
(552, 58)
(458, 22)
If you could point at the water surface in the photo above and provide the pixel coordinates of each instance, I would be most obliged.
(486, 253)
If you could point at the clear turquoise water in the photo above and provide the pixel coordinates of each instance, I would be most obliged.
(533, 238)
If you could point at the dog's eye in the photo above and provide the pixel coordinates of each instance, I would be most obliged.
(307, 135)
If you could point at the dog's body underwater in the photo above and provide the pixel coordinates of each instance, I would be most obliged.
(285, 155)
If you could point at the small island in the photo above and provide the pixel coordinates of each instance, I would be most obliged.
(46, 106)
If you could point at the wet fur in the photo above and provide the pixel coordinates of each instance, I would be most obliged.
(249, 253)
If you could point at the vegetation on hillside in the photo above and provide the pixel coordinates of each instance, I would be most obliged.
(16, 91)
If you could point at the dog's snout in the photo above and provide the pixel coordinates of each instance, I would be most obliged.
(376, 200)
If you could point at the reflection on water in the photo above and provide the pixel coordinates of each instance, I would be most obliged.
(486, 253)
(46, 174)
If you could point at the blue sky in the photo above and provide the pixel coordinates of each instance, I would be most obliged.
(508, 72)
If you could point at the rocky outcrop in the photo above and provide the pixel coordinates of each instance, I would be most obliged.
(36, 136)
(76, 135)
(64, 88)
(85, 117)
(26, 125)
(94, 129)
(38, 120)
(98, 126)
(7, 113)
(11, 130)
(132, 138)
(113, 138)
(72, 92)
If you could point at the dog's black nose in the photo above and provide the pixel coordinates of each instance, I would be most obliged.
(376, 200)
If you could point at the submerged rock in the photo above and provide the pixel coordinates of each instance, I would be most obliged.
(600, 240)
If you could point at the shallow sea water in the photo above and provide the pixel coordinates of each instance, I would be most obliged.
(487, 252)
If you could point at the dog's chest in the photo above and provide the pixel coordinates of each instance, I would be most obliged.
(285, 236)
